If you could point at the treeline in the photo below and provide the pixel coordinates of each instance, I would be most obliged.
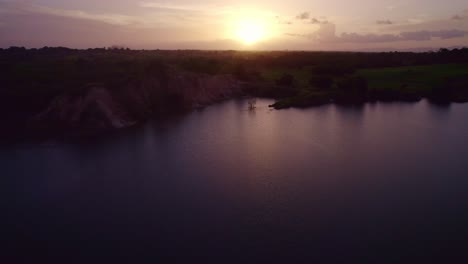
(31, 78)
(216, 60)
(50, 70)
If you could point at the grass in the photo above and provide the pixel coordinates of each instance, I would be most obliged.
(413, 78)
(443, 82)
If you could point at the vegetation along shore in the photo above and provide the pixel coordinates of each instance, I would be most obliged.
(61, 91)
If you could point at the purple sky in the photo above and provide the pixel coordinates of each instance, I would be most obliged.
(229, 24)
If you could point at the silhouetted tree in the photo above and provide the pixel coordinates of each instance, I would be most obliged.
(352, 84)
(252, 102)
(321, 82)
(286, 80)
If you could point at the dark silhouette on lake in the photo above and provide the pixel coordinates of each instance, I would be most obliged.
(383, 182)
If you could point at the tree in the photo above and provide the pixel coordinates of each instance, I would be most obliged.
(321, 82)
(252, 102)
(286, 80)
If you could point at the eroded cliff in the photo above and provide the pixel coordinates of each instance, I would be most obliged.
(97, 108)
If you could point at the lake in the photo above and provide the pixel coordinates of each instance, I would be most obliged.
(377, 182)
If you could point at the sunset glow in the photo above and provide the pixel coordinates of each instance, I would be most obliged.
(355, 25)
(250, 31)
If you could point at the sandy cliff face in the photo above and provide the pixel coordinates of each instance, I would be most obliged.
(99, 108)
(95, 109)
(196, 90)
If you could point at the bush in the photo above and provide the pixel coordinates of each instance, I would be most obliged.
(201, 65)
(334, 70)
(242, 73)
(286, 80)
(351, 89)
(352, 84)
(321, 82)
(453, 89)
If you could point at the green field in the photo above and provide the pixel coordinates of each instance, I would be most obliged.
(413, 78)
(438, 82)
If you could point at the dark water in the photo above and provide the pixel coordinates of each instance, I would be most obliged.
(379, 182)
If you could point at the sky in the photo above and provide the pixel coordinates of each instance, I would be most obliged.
(229, 24)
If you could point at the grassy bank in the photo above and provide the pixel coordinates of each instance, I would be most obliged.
(441, 83)
(420, 79)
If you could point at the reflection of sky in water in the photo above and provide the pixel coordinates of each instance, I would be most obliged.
(227, 175)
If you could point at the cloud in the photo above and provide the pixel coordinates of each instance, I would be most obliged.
(186, 8)
(423, 35)
(156, 19)
(449, 34)
(167, 6)
(416, 35)
(384, 22)
(327, 33)
(23, 8)
(416, 20)
(298, 35)
(316, 21)
(462, 16)
(21, 30)
(203, 9)
(306, 17)
(281, 21)
(396, 6)
(373, 38)
(303, 16)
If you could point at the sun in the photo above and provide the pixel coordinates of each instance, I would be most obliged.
(250, 31)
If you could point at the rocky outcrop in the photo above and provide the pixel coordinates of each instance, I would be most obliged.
(98, 108)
